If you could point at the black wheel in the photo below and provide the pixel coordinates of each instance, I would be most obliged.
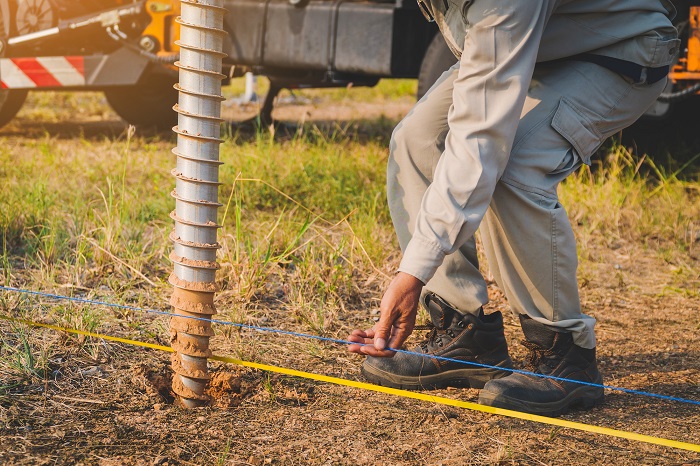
(437, 59)
(11, 102)
(149, 103)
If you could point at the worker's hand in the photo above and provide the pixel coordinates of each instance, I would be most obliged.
(396, 320)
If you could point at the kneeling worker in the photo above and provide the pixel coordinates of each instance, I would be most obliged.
(539, 86)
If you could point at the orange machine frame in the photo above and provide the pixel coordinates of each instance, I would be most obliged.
(163, 26)
(688, 67)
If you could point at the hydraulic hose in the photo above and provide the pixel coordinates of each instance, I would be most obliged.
(118, 36)
(668, 97)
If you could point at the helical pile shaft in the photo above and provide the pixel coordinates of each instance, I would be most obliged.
(196, 194)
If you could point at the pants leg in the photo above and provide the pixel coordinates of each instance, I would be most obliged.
(416, 146)
(571, 108)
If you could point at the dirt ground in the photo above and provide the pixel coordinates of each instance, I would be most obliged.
(116, 408)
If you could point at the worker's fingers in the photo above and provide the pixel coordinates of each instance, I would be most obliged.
(371, 350)
(355, 349)
(400, 334)
(358, 334)
(361, 338)
(362, 342)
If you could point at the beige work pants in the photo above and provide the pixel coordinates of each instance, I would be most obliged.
(570, 108)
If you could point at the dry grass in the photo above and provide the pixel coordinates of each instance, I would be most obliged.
(307, 246)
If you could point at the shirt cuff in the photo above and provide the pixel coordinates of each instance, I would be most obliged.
(421, 259)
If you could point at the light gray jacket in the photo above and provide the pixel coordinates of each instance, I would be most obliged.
(498, 43)
(632, 30)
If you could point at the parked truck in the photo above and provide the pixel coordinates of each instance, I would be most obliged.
(127, 48)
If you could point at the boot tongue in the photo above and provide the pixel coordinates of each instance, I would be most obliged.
(441, 314)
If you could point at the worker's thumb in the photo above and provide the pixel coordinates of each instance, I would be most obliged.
(382, 332)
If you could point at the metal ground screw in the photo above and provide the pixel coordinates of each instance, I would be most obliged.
(196, 194)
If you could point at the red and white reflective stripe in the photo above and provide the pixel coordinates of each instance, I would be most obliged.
(41, 72)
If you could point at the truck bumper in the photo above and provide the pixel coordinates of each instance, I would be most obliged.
(120, 68)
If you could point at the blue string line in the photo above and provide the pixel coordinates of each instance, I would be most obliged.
(345, 342)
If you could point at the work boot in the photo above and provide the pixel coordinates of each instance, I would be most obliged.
(552, 353)
(465, 337)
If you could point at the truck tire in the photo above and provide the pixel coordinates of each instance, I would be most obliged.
(11, 102)
(149, 103)
(437, 59)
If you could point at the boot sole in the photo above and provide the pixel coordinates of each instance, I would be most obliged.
(584, 397)
(461, 378)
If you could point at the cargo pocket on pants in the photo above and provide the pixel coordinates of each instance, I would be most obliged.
(576, 128)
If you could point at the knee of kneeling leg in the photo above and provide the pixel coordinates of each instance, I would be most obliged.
(409, 139)
(411, 131)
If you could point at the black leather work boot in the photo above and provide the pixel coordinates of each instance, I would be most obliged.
(465, 337)
(552, 353)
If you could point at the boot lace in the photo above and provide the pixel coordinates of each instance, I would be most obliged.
(432, 338)
(538, 356)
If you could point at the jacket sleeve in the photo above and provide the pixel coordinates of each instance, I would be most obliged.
(496, 66)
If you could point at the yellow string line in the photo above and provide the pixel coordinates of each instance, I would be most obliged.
(393, 391)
